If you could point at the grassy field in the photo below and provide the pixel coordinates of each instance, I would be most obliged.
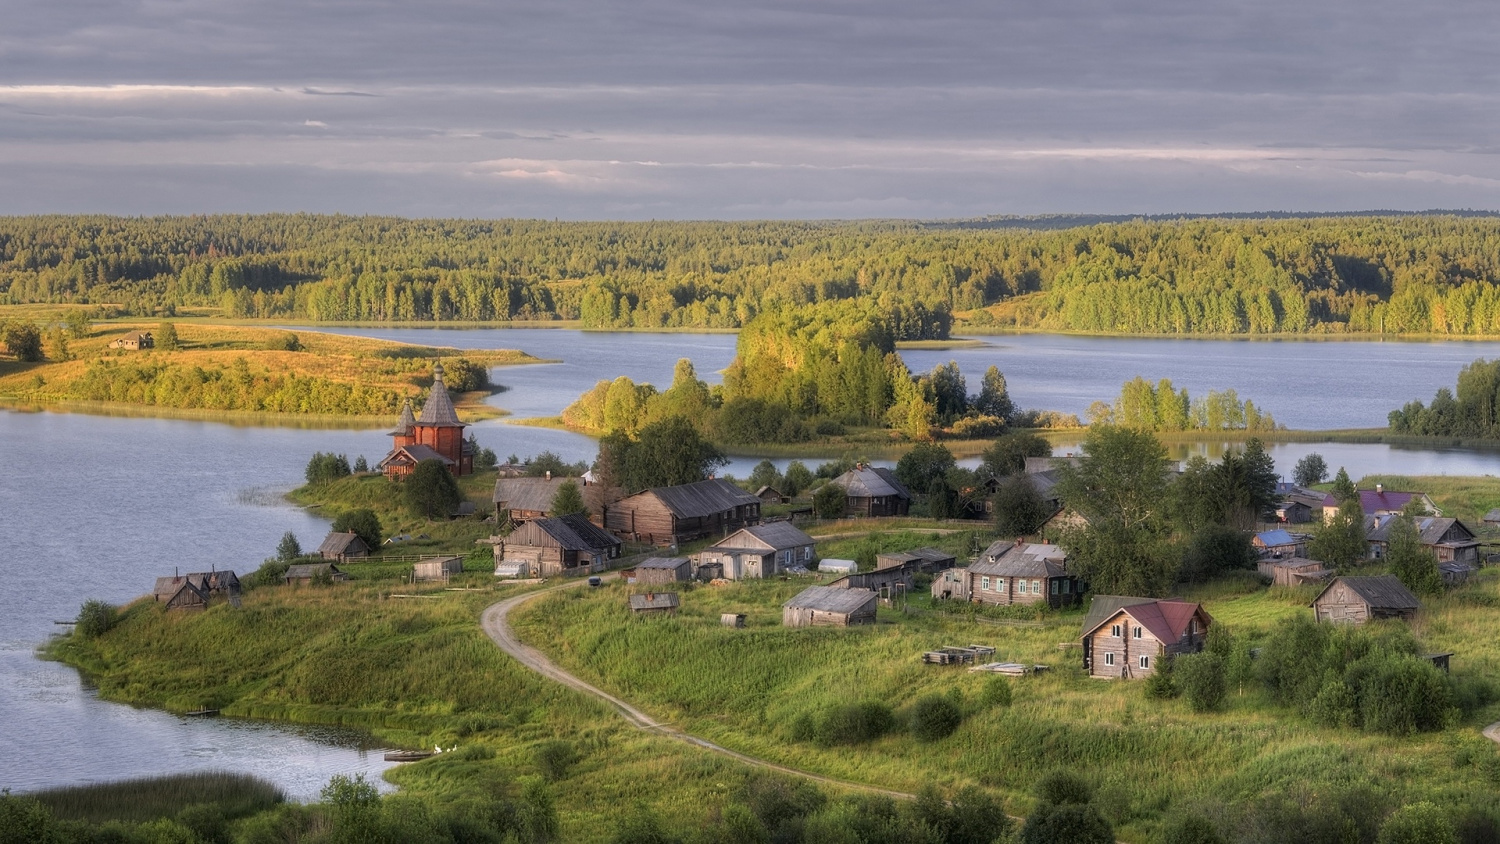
(376, 492)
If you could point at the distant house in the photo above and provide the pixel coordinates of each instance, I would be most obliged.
(308, 572)
(924, 560)
(771, 495)
(194, 591)
(520, 499)
(829, 564)
(135, 341)
(1292, 571)
(1023, 573)
(1449, 539)
(824, 606)
(951, 585)
(1280, 543)
(873, 491)
(654, 603)
(1381, 502)
(663, 570)
(673, 514)
(1355, 600)
(436, 569)
(560, 545)
(1492, 517)
(759, 551)
(1126, 637)
(343, 546)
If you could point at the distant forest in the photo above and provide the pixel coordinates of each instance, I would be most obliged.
(1217, 275)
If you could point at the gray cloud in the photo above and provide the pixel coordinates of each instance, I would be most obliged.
(773, 109)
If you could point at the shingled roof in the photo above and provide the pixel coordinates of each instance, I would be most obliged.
(1381, 591)
(871, 482)
(574, 532)
(703, 498)
(1007, 559)
(528, 493)
(438, 412)
(830, 599)
(405, 423)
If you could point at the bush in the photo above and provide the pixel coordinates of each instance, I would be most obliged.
(271, 572)
(1067, 824)
(23, 340)
(996, 692)
(431, 491)
(362, 522)
(1419, 823)
(1160, 685)
(1201, 679)
(95, 618)
(855, 723)
(935, 717)
(828, 501)
(1190, 829)
(1062, 787)
(25, 821)
(554, 758)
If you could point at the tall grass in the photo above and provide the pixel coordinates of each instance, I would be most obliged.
(234, 795)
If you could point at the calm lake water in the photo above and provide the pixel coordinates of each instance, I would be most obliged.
(97, 506)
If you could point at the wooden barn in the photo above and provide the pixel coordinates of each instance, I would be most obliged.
(303, 573)
(919, 560)
(135, 341)
(825, 606)
(663, 570)
(673, 514)
(887, 583)
(195, 590)
(560, 545)
(521, 499)
(1292, 571)
(436, 569)
(1125, 637)
(951, 585)
(342, 547)
(1280, 543)
(1023, 573)
(873, 491)
(1356, 600)
(1449, 539)
(771, 495)
(655, 603)
(759, 551)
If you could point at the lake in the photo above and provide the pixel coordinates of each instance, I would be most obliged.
(98, 506)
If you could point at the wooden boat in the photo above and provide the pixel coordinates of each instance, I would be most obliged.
(407, 755)
(201, 713)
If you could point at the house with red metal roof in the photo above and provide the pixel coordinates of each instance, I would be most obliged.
(1126, 637)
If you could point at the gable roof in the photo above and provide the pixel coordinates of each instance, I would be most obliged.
(654, 601)
(871, 482)
(1166, 619)
(926, 554)
(698, 499)
(830, 599)
(202, 582)
(438, 412)
(772, 535)
(1037, 465)
(338, 543)
(414, 454)
(1272, 538)
(1382, 591)
(310, 570)
(1379, 501)
(669, 563)
(574, 532)
(528, 493)
(1007, 559)
(1431, 528)
(1492, 516)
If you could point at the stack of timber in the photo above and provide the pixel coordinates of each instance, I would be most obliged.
(957, 656)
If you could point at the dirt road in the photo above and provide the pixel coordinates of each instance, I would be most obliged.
(497, 626)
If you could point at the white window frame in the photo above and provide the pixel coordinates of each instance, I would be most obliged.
(1115, 631)
(984, 583)
(1145, 661)
(1020, 586)
(1136, 632)
(1109, 659)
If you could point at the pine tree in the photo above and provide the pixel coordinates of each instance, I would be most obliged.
(568, 500)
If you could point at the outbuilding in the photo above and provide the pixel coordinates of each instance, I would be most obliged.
(663, 570)
(1280, 543)
(309, 572)
(825, 606)
(829, 564)
(135, 341)
(560, 545)
(1292, 571)
(436, 569)
(520, 499)
(1356, 600)
(673, 514)
(343, 546)
(654, 603)
(925, 560)
(759, 551)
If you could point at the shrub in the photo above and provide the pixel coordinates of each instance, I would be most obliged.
(1160, 685)
(270, 572)
(1190, 829)
(935, 717)
(554, 758)
(431, 491)
(95, 618)
(1067, 824)
(1061, 787)
(828, 501)
(855, 723)
(996, 692)
(1201, 679)
(1418, 823)
(25, 821)
(23, 340)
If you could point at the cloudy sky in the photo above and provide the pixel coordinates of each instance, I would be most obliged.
(671, 109)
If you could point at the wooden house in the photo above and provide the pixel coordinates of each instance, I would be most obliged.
(1292, 571)
(1449, 539)
(924, 560)
(1280, 543)
(887, 583)
(654, 603)
(1297, 505)
(135, 341)
(1023, 573)
(759, 551)
(951, 585)
(1126, 637)
(342, 547)
(195, 590)
(560, 545)
(435, 435)
(1381, 502)
(1355, 600)
(824, 606)
(520, 499)
(771, 495)
(673, 514)
(436, 569)
(304, 573)
(873, 491)
(663, 570)
(1492, 517)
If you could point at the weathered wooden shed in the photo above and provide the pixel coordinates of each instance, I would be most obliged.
(873, 491)
(308, 572)
(1280, 543)
(825, 606)
(663, 570)
(1450, 540)
(1455, 574)
(436, 569)
(1125, 637)
(1292, 571)
(655, 603)
(1492, 517)
(951, 585)
(343, 546)
(925, 560)
(673, 514)
(771, 495)
(560, 545)
(1356, 600)
(759, 551)
(520, 499)
(1024, 573)
(195, 590)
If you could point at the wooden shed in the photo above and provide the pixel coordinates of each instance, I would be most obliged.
(1492, 517)
(1450, 540)
(759, 551)
(1455, 574)
(873, 491)
(560, 545)
(1356, 600)
(1125, 637)
(951, 585)
(520, 499)
(1280, 543)
(308, 572)
(924, 560)
(654, 603)
(195, 590)
(825, 606)
(436, 569)
(1024, 573)
(1292, 571)
(663, 570)
(673, 514)
(343, 546)
(771, 495)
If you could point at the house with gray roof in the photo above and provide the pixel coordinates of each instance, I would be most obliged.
(1356, 600)
(759, 551)
(672, 514)
(663, 570)
(519, 499)
(560, 545)
(313, 572)
(1450, 540)
(873, 491)
(342, 546)
(1023, 572)
(825, 606)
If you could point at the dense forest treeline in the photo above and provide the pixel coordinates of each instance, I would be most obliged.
(1397, 274)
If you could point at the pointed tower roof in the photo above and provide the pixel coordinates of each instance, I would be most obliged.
(407, 421)
(438, 412)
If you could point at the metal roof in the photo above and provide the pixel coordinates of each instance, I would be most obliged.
(669, 563)
(654, 601)
(831, 599)
(438, 412)
(1007, 559)
(528, 493)
(574, 532)
(1381, 591)
(703, 498)
(1276, 537)
(871, 482)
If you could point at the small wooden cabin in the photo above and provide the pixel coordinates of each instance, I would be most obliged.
(873, 491)
(1125, 637)
(308, 572)
(1492, 517)
(436, 569)
(1356, 600)
(924, 560)
(343, 546)
(560, 545)
(1023, 573)
(825, 606)
(135, 341)
(520, 499)
(654, 603)
(673, 514)
(1292, 571)
(1450, 540)
(1280, 543)
(663, 570)
(771, 495)
(1455, 574)
(951, 585)
(195, 590)
(759, 551)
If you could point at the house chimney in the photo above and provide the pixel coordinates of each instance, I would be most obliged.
(1379, 489)
(549, 474)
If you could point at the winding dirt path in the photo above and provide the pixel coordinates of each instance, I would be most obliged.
(496, 624)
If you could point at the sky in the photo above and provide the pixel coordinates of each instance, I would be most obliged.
(667, 109)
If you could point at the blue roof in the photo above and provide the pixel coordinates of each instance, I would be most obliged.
(1275, 537)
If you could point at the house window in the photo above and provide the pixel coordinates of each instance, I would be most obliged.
(1055, 587)
(1067, 587)
(1115, 631)
(1036, 587)
(1109, 659)
(984, 583)
(1021, 586)
(1145, 662)
(1136, 632)
(807, 552)
(1000, 584)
